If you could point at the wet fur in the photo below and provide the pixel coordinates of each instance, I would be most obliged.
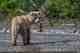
(20, 25)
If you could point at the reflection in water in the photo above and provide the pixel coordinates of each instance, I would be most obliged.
(44, 40)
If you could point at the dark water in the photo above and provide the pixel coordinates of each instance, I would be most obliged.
(4, 37)
(46, 40)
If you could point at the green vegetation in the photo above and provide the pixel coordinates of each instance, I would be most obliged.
(12, 8)
(64, 10)
(58, 11)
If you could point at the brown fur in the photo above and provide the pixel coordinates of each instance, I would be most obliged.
(17, 22)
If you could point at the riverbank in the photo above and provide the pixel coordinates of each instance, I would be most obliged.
(32, 49)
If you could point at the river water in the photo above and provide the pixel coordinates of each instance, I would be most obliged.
(46, 40)
(4, 40)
